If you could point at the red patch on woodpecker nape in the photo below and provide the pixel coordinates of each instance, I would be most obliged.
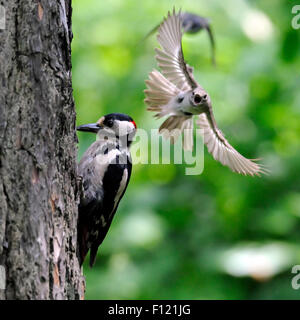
(133, 123)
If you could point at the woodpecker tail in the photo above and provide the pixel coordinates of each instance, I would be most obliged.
(84, 247)
(93, 254)
(173, 126)
(159, 92)
(82, 240)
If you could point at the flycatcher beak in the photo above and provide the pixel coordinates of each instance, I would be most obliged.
(92, 127)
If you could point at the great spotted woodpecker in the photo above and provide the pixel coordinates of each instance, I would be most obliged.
(176, 94)
(105, 169)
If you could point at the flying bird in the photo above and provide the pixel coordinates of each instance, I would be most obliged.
(176, 94)
(105, 170)
(191, 24)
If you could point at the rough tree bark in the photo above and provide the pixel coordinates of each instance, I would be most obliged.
(38, 187)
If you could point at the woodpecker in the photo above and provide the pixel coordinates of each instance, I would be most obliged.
(105, 170)
(175, 93)
(191, 24)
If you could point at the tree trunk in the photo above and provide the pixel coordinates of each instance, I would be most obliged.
(38, 181)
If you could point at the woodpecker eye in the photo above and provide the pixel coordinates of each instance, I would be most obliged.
(110, 123)
(180, 99)
(197, 98)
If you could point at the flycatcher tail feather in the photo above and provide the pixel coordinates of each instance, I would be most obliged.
(159, 92)
(173, 126)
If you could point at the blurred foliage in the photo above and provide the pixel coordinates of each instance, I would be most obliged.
(217, 235)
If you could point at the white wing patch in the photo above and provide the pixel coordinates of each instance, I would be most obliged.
(103, 161)
(121, 189)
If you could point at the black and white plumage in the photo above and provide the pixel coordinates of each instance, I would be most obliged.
(105, 169)
(175, 93)
(191, 24)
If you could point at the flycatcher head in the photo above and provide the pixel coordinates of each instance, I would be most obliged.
(199, 97)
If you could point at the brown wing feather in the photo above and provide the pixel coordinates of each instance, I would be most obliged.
(170, 57)
(222, 151)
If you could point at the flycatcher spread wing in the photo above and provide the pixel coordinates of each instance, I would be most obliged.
(170, 57)
(222, 151)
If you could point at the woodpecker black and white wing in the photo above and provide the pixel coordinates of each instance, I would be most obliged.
(222, 151)
(115, 182)
(170, 57)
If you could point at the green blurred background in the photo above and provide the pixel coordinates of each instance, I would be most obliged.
(217, 235)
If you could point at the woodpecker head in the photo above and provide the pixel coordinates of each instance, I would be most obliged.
(112, 126)
(200, 98)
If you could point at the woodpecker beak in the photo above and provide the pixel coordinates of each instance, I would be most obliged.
(92, 127)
